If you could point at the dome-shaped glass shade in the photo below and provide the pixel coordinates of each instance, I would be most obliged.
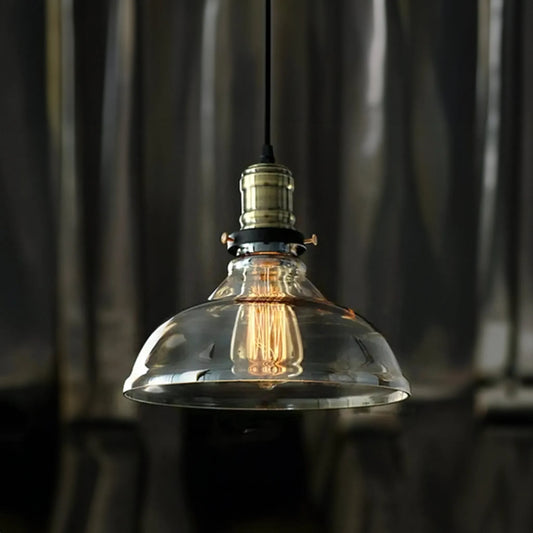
(266, 339)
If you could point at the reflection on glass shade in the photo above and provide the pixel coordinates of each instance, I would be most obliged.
(266, 339)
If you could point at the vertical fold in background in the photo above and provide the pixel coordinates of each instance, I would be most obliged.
(200, 171)
(74, 372)
(493, 338)
(363, 144)
(206, 230)
(525, 302)
(182, 139)
(504, 352)
(117, 284)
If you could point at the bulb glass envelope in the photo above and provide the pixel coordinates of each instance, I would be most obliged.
(266, 339)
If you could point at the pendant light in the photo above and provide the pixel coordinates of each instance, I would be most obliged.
(266, 338)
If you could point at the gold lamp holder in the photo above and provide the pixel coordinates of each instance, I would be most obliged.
(267, 197)
(267, 221)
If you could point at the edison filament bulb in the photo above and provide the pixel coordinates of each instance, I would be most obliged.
(266, 340)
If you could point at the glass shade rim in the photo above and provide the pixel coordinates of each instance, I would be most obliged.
(389, 394)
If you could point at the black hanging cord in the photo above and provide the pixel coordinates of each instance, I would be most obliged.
(267, 155)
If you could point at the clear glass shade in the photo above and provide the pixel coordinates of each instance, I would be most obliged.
(266, 339)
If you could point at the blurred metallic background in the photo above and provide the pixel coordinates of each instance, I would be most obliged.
(124, 128)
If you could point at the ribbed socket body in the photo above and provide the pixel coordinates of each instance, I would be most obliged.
(267, 197)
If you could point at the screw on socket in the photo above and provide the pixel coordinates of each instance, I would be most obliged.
(225, 238)
(312, 240)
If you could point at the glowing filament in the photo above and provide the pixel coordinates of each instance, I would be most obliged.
(266, 340)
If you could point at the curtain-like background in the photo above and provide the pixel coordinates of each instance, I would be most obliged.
(124, 127)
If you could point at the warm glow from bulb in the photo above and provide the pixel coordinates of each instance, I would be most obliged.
(266, 340)
(272, 344)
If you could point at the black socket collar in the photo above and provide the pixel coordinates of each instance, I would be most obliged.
(266, 236)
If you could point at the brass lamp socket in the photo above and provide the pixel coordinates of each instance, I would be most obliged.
(267, 197)
(267, 218)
